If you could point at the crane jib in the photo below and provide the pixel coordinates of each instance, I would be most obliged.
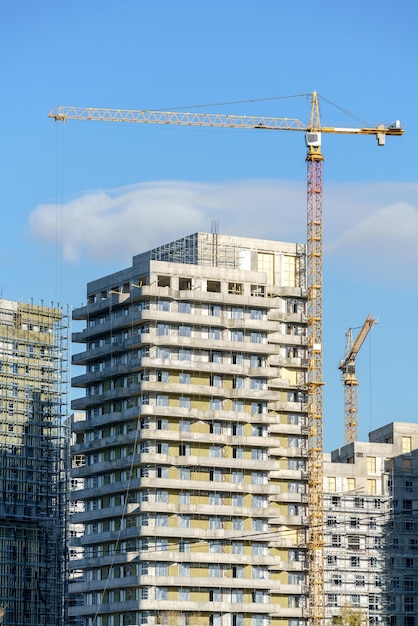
(64, 113)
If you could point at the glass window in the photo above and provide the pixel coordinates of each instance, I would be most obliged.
(237, 595)
(257, 337)
(237, 335)
(215, 428)
(162, 400)
(215, 357)
(215, 570)
(406, 444)
(215, 523)
(331, 484)
(185, 403)
(184, 497)
(237, 547)
(163, 305)
(257, 314)
(371, 464)
(215, 404)
(184, 569)
(184, 546)
(215, 452)
(184, 521)
(161, 569)
(215, 498)
(163, 352)
(371, 486)
(259, 524)
(237, 476)
(216, 380)
(258, 383)
(184, 378)
(214, 309)
(185, 354)
(215, 333)
(259, 454)
(184, 425)
(351, 484)
(259, 478)
(215, 547)
(161, 593)
(237, 499)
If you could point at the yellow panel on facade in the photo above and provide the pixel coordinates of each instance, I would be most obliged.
(265, 263)
(289, 271)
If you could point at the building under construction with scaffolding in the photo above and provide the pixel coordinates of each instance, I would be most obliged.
(33, 474)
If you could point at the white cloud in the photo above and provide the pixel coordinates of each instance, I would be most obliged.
(119, 223)
(368, 226)
(391, 226)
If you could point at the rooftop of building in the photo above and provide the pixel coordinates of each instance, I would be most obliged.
(204, 249)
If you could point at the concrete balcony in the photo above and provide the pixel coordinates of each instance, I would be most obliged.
(289, 453)
(281, 316)
(206, 485)
(289, 407)
(287, 340)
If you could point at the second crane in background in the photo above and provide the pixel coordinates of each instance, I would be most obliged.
(348, 369)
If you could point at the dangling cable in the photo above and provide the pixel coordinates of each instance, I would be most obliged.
(59, 201)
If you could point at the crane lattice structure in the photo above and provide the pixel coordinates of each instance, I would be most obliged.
(313, 131)
(348, 373)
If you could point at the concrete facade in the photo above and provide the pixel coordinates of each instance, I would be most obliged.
(191, 457)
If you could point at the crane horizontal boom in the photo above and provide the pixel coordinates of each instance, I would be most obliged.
(63, 113)
(352, 350)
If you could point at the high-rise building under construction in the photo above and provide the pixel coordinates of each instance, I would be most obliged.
(371, 528)
(191, 455)
(33, 482)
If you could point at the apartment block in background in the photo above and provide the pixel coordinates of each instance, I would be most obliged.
(371, 527)
(33, 479)
(192, 453)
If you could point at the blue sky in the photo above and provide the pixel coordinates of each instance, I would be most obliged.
(79, 200)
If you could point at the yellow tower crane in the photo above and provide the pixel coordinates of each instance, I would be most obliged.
(313, 132)
(348, 373)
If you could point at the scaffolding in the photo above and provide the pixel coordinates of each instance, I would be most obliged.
(199, 249)
(33, 465)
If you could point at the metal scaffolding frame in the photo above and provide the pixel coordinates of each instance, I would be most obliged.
(33, 463)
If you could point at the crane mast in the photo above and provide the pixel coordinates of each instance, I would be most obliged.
(314, 381)
(314, 160)
(348, 372)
